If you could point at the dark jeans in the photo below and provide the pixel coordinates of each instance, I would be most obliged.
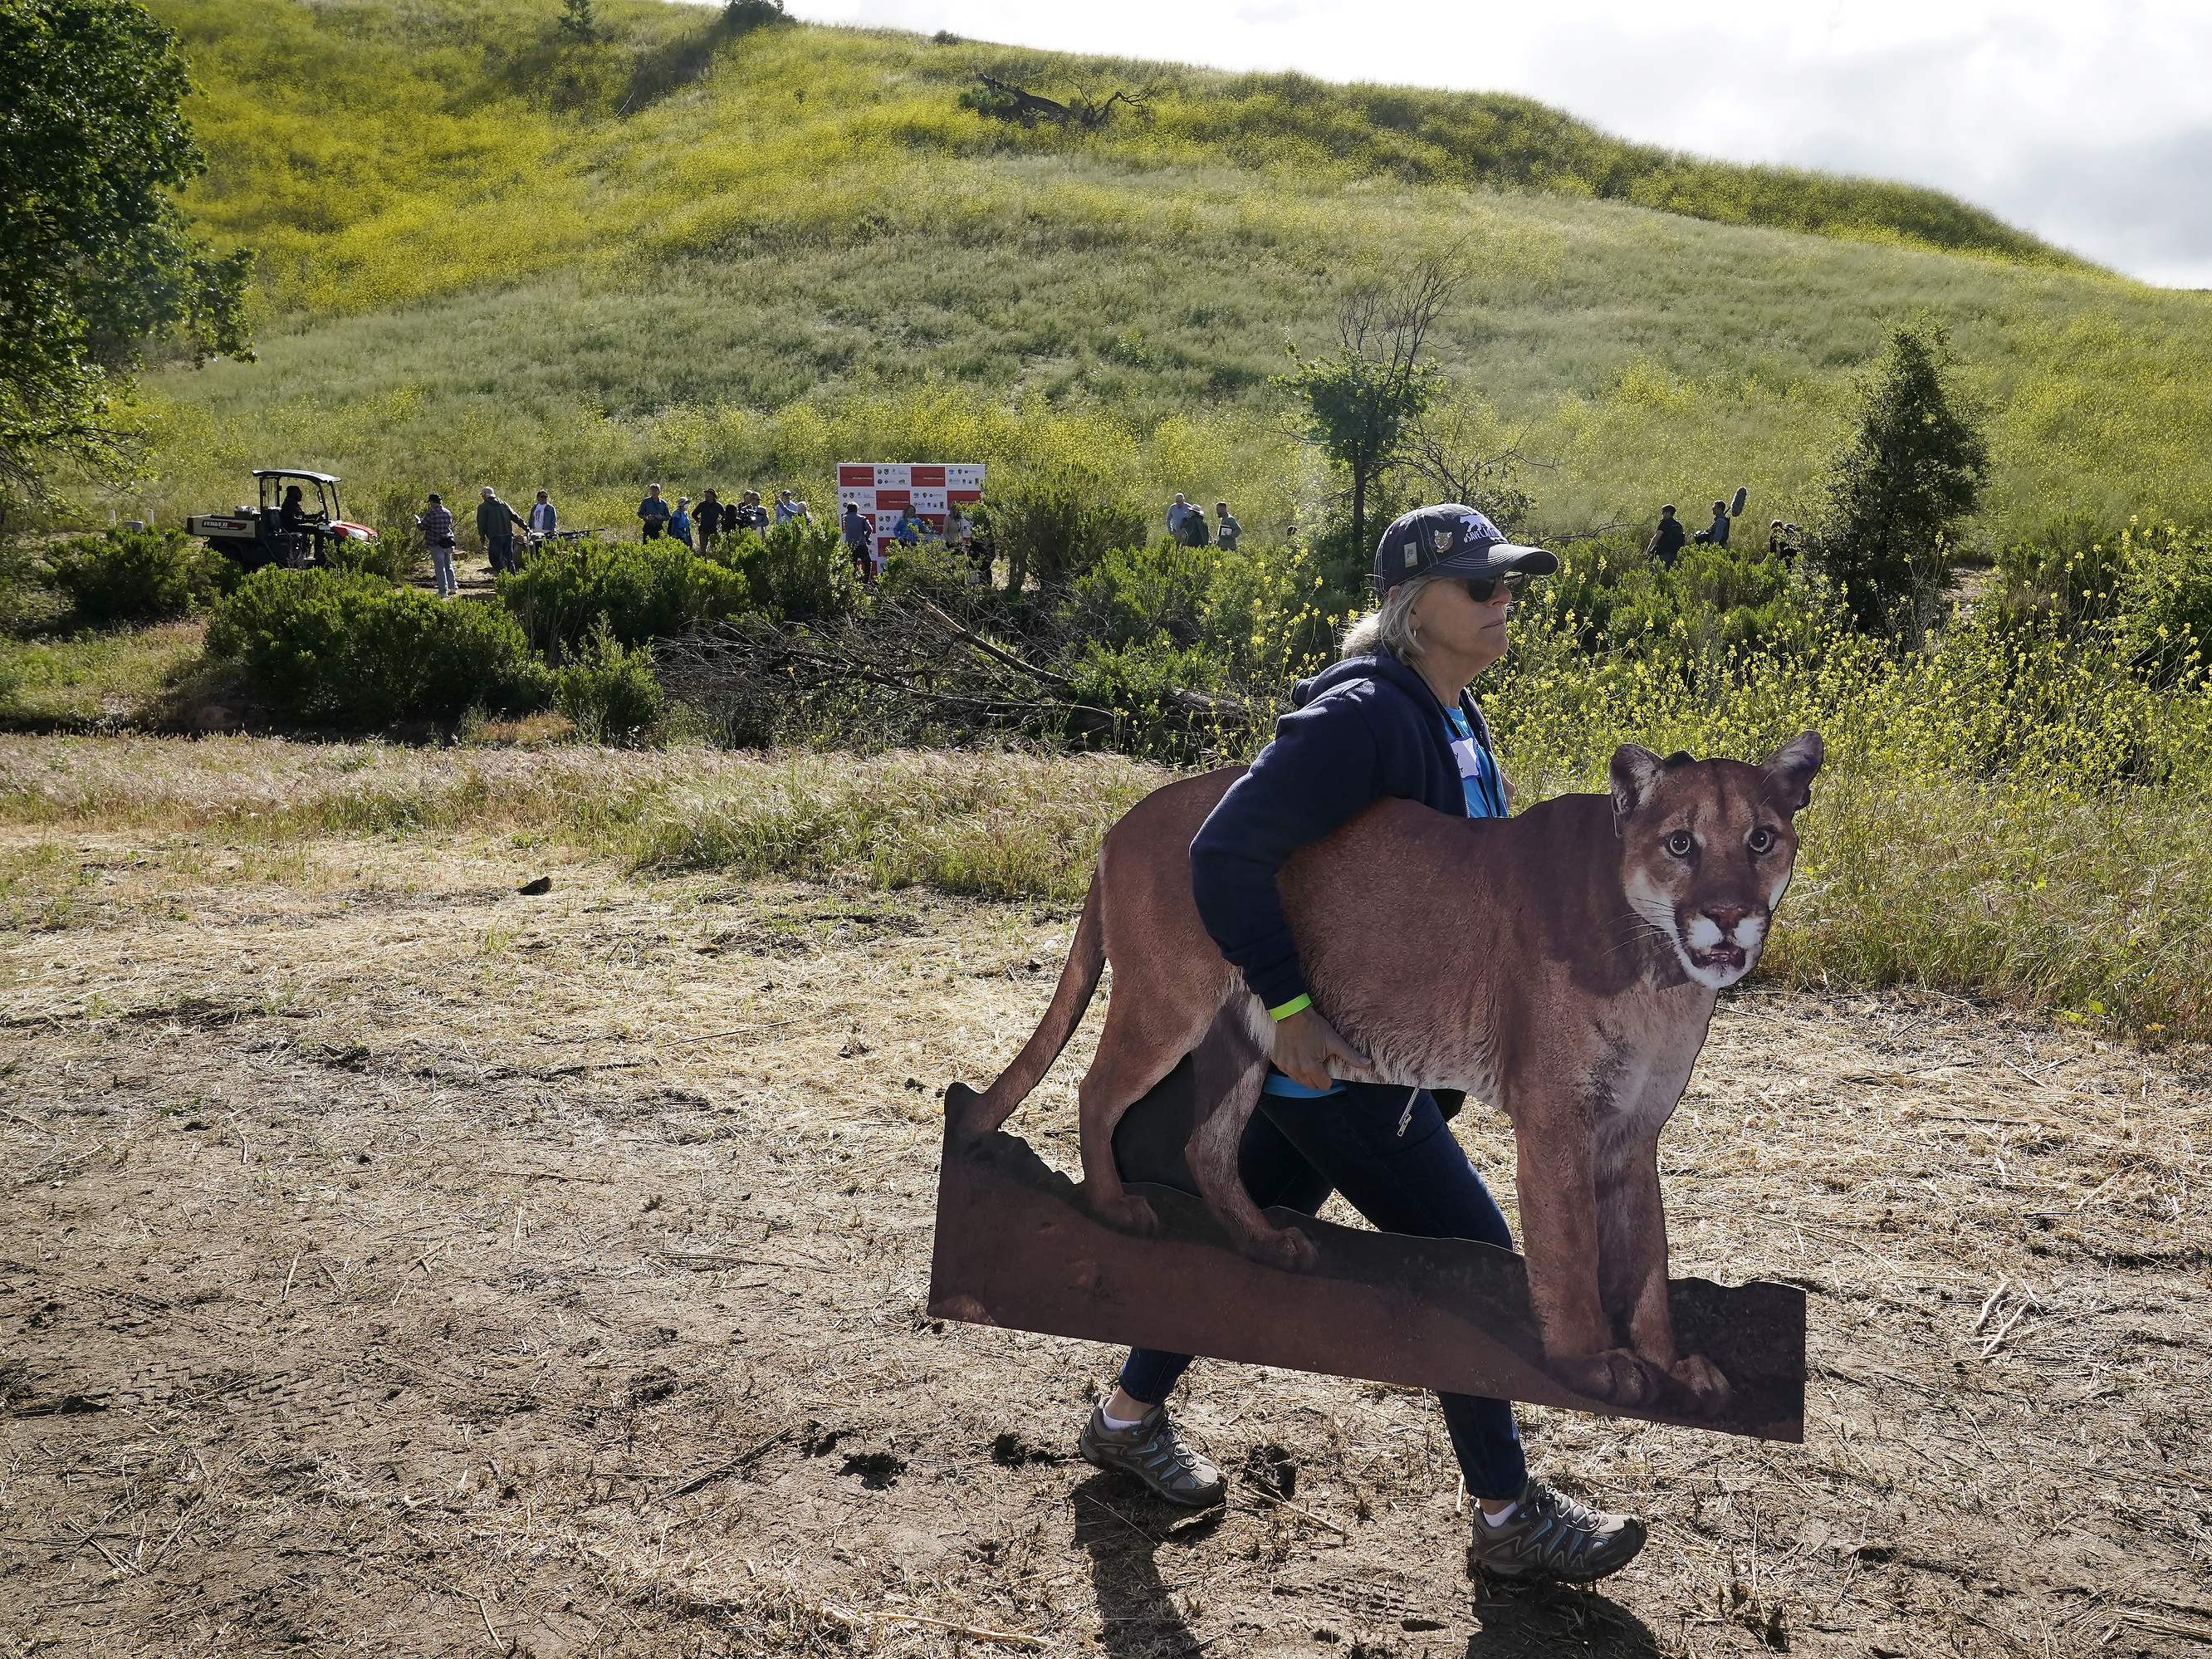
(1294, 1153)
(499, 552)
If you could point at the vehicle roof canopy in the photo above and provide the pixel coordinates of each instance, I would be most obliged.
(293, 472)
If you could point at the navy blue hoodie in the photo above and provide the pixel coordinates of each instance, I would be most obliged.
(1364, 728)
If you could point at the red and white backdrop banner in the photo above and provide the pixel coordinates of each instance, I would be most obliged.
(884, 490)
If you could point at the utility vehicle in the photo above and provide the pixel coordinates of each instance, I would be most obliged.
(266, 534)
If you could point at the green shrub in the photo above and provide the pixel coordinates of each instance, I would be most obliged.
(609, 693)
(795, 572)
(1715, 601)
(2164, 625)
(1258, 610)
(637, 591)
(1152, 699)
(337, 647)
(1056, 527)
(395, 555)
(125, 577)
(928, 569)
(1156, 592)
(2073, 567)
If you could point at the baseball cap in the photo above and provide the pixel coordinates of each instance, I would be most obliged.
(1450, 540)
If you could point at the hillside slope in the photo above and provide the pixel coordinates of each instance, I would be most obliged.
(471, 261)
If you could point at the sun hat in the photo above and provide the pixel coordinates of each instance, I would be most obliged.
(1450, 540)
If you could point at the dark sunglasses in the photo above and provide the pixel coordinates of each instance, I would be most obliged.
(1481, 588)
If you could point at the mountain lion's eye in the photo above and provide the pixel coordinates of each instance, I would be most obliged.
(1680, 843)
(1761, 839)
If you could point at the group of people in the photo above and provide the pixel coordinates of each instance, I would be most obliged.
(1672, 536)
(695, 525)
(496, 523)
(1188, 525)
(960, 537)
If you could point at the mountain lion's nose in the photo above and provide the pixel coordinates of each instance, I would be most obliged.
(1725, 916)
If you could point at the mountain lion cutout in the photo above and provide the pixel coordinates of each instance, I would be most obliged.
(1561, 966)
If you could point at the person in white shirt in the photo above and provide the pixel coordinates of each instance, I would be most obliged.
(543, 520)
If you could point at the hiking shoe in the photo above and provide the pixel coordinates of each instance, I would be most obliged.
(1551, 1536)
(1153, 1450)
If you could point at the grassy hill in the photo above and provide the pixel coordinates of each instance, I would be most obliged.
(719, 255)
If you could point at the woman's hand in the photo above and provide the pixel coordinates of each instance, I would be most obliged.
(1305, 1043)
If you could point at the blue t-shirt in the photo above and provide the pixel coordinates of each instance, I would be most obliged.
(1486, 798)
(1478, 770)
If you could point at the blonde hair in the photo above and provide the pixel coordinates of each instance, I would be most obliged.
(1388, 629)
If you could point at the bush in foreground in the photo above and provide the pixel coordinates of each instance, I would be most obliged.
(609, 693)
(635, 591)
(127, 577)
(337, 647)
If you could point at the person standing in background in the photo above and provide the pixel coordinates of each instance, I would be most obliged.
(959, 535)
(710, 518)
(496, 523)
(652, 514)
(1717, 533)
(788, 510)
(436, 526)
(1178, 510)
(1227, 529)
(679, 522)
(1666, 543)
(543, 520)
(750, 514)
(859, 534)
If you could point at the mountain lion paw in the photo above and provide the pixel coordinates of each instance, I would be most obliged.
(1616, 1376)
(1289, 1249)
(1128, 1213)
(1708, 1389)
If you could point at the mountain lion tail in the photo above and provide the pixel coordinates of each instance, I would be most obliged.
(978, 1115)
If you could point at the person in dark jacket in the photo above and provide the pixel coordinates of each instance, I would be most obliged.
(859, 531)
(1666, 543)
(496, 523)
(1393, 718)
(652, 514)
(1716, 534)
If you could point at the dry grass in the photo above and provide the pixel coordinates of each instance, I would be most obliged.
(400, 1265)
(92, 681)
(1004, 823)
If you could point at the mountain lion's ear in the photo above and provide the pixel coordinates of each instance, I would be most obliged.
(1789, 772)
(1634, 770)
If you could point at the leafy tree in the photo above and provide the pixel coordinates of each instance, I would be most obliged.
(1896, 497)
(1364, 399)
(96, 260)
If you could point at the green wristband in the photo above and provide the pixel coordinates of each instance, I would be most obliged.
(1296, 1005)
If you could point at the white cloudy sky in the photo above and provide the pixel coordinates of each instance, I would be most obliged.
(2087, 121)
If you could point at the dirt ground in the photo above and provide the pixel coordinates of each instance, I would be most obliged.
(392, 1263)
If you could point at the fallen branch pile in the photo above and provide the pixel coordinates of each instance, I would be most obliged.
(907, 671)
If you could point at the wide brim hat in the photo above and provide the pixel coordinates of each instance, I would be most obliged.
(1451, 540)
